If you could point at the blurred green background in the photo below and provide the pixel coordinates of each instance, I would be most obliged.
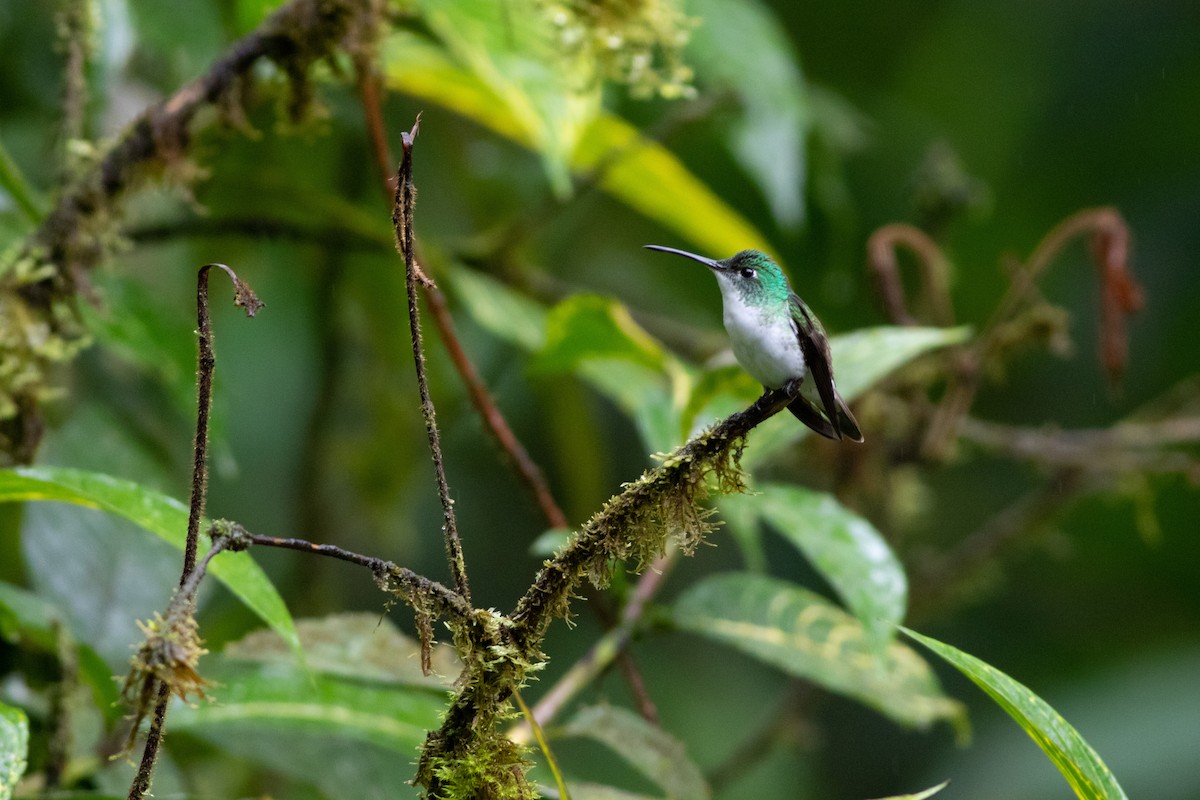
(1011, 115)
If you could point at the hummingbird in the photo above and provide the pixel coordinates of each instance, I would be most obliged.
(777, 338)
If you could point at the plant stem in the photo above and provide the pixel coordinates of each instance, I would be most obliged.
(244, 297)
(402, 222)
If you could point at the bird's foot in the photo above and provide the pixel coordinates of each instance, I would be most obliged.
(792, 387)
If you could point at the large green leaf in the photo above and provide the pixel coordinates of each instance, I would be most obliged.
(596, 338)
(805, 635)
(740, 38)
(353, 645)
(844, 547)
(351, 724)
(284, 698)
(651, 750)
(860, 359)
(14, 748)
(637, 171)
(158, 514)
(586, 327)
(1062, 744)
(649, 179)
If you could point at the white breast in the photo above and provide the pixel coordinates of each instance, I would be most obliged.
(764, 343)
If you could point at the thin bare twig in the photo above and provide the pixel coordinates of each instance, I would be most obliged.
(145, 773)
(1127, 446)
(445, 600)
(244, 297)
(402, 222)
(527, 470)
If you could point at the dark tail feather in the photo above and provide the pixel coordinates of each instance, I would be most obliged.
(847, 423)
(805, 411)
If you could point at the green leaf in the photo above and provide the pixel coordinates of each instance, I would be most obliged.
(500, 310)
(845, 548)
(586, 327)
(353, 645)
(736, 39)
(930, 792)
(596, 338)
(14, 748)
(637, 171)
(863, 357)
(805, 635)
(860, 359)
(158, 514)
(276, 697)
(512, 49)
(651, 750)
(352, 737)
(1061, 743)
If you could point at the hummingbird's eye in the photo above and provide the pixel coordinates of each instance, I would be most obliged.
(746, 272)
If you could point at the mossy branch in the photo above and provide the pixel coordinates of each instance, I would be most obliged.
(468, 756)
(294, 37)
(663, 501)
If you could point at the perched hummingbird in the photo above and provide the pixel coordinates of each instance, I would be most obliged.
(776, 338)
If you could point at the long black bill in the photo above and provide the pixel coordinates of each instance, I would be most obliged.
(708, 262)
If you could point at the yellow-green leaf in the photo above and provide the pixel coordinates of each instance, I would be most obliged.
(805, 635)
(511, 48)
(637, 171)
